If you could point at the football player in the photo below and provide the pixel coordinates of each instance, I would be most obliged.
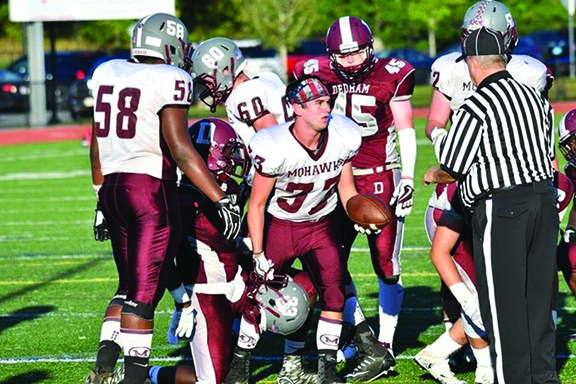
(452, 85)
(299, 167)
(207, 264)
(252, 103)
(139, 140)
(567, 249)
(375, 93)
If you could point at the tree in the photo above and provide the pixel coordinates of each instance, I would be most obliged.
(280, 24)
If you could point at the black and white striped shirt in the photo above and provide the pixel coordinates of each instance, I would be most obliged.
(502, 136)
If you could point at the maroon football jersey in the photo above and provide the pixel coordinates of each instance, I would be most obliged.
(368, 104)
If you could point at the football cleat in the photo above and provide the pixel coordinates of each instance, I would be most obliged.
(118, 376)
(437, 366)
(463, 360)
(375, 360)
(239, 368)
(293, 372)
(484, 375)
(97, 377)
(327, 370)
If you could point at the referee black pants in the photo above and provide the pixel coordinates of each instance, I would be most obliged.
(515, 233)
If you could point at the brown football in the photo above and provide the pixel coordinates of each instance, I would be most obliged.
(365, 209)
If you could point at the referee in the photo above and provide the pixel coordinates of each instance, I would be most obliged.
(500, 146)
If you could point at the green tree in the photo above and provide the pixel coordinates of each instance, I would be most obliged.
(280, 24)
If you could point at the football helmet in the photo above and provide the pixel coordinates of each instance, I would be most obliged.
(282, 303)
(223, 150)
(567, 136)
(494, 15)
(216, 63)
(162, 36)
(350, 35)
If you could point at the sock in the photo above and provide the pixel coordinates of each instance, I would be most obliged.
(352, 312)
(108, 353)
(444, 346)
(248, 334)
(328, 335)
(482, 356)
(389, 304)
(293, 347)
(153, 373)
(137, 342)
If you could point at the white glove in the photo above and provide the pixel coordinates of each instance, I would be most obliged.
(470, 307)
(263, 266)
(229, 212)
(367, 231)
(171, 335)
(437, 136)
(186, 323)
(402, 197)
(100, 227)
(569, 235)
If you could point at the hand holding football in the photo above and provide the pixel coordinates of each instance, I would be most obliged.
(368, 211)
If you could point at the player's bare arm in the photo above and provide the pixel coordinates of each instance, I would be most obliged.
(97, 178)
(438, 114)
(261, 190)
(268, 120)
(346, 186)
(174, 129)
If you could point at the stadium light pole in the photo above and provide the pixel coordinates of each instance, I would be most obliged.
(569, 4)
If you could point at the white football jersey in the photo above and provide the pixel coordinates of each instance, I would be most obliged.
(453, 79)
(305, 188)
(128, 99)
(254, 98)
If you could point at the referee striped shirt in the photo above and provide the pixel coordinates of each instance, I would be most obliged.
(502, 136)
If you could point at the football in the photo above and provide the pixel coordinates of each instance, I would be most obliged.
(368, 211)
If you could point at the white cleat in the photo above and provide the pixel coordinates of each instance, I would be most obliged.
(437, 366)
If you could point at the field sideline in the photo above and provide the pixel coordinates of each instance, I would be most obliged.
(55, 280)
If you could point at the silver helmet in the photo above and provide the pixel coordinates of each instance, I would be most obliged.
(494, 15)
(160, 35)
(216, 63)
(283, 305)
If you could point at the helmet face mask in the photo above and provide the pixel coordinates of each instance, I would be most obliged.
(223, 150)
(494, 15)
(216, 63)
(350, 36)
(162, 36)
(567, 136)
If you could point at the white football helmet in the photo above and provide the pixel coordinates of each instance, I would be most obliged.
(283, 305)
(162, 36)
(494, 15)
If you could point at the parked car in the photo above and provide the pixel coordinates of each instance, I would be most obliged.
(421, 61)
(14, 92)
(80, 98)
(70, 66)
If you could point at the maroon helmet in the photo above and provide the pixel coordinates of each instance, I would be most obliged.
(567, 136)
(349, 35)
(221, 147)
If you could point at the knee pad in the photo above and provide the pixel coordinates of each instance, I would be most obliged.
(138, 308)
(391, 280)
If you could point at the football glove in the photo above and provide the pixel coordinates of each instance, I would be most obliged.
(229, 212)
(402, 197)
(186, 323)
(367, 231)
(101, 232)
(263, 266)
(569, 235)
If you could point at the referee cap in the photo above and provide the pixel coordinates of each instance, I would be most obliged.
(483, 42)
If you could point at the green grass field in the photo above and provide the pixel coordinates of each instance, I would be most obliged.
(55, 280)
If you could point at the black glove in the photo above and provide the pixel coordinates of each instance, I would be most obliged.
(100, 226)
(229, 212)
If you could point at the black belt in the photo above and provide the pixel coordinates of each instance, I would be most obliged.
(539, 186)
